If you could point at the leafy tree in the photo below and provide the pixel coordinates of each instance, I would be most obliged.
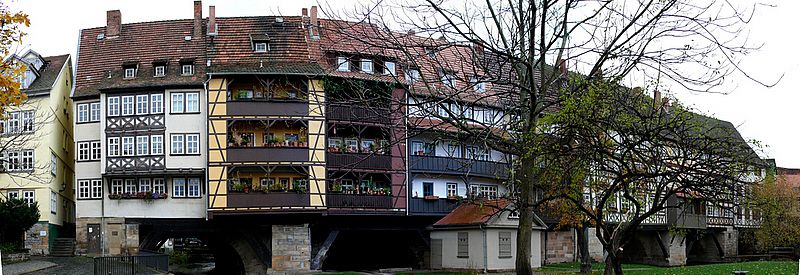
(16, 217)
(777, 201)
(11, 34)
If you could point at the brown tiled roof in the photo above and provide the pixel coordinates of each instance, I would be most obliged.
(789, 176)
(473, 213)
(141, 43)
(48, 74)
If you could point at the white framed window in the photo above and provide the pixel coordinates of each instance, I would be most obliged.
(127, 105)
(29, 196)
(412, 76)
(83, 112)
(13, 122)
(116, 186)
(366, 65)
(53, 202)
(84, 151)
(192, 102)
(156, 145)
(94, 111)
(193, 187)
(484, 191)
(96, 153)
(13, 194)
(113, 146)
(192, 144)
(342, 64)
(477, 85)
(260, 47)
(27, 160)
(127, 146)
(53, 164)
(389, 68)
(130, 186)
(144, 185)
(97, 189)
(84, 189)
(142, 104)
(113, 106)
(177, 102)
(142, 145)
(176, 144)
(130, 72)
(449, 80)
(158, 186)
(178, 187)
(159, 70)
(187, 69)
(452, 189)
(156, 103)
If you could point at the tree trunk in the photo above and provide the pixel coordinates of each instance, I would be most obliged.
(525, 229)
(583, 249)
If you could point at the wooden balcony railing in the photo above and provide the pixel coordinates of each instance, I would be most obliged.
(271, 199)
(459, 166)
(338, 200)
(267, 154)
(350, 113)
(367, 161)
(267, 108)
(438, 207)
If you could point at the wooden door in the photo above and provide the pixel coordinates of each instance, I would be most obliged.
(93, 235)
(436, 254)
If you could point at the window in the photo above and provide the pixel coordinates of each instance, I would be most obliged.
(96, 151)
(192, 144)
(343, 65)
(412, 76)
(159, 187)
(27, 121)
(463, 245)
(420, 148)
(97, 189)
(113, 106)
(142, 145)
(94, 111)
(177, 144)
(127, 146)
(13, 123)
(116, 186)
(83, 151)
(454, 150)
(478, 85)
(144, 185)
(159, 70)
(177, 102)
(53, 164)
(260, 47)
(352, 145)
(130, 72)
(156, 103)
(484, 191)
(113, 146)
(28, 197)
(504, 244)
(179, 187)
(156, 145)
(53, 202)
(83, 189)
(187, 69)
(388, 68)
(83, 113)
(192, 102)
(13, 195)
(366, 65)
(335, 143)
(452, 189)
(193, 187)
(427, 189)
(142, 105)
(127, 105)
(449, 80)
(27, 160)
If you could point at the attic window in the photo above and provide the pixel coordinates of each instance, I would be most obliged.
(130, 72)
(187, 67)
(261, 47)
(366, 65)
(342, 64)
(159, 70)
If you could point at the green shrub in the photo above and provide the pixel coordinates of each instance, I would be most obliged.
(179, 257)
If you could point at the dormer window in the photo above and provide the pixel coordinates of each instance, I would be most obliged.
(261, 47)
(130, 72)
(366, 65)
(187, 69)
(478, 85)
(342, 64)
(448, 79)
(412, 75)
(388, 68)
(160, 70)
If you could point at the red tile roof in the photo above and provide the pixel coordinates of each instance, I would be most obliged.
(790, 176)
(473, 213)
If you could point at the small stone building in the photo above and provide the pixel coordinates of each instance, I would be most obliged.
(481, 237)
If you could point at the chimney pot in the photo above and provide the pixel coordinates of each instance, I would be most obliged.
(212, 21)
(113, 23)
(314, 25)
(305, 12)
(198, 19)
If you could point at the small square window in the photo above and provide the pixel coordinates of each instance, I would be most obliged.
(342, 64)
(130, 72)
(187, 69)
(261, 47)
(366, 65)
(388, 68)
(159, 70)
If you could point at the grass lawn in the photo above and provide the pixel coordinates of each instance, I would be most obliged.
(760, 267)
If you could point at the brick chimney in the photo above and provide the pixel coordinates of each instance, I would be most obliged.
(562, 67)
(305, 12)
(657, 98)
(313, 30)
(198, 19)
(212, 21)
(113, 23)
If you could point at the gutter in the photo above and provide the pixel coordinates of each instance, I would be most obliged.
(485, 250)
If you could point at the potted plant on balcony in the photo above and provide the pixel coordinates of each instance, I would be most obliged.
(336, 187)
(303, 142)
(431, 198)
(115, 196)
(454, 198)
(298, 188)
(279, 142)
(342, 148)
(163, 196)
(277, 187)
(373, 148)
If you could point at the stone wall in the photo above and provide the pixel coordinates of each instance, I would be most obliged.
(559, 247)
(291, 248)
(595, 247)
(118, 238)
(676, 246)
(37, 239)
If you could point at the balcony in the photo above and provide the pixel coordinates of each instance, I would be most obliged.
(134, 163)
(340, 200)
(720, 221)
(355, 161)
(138, 122)
(459, 166)
(438, 207)
(362, 114)
(267, 154)
(687, 220)
(267, 108)
(271, 199)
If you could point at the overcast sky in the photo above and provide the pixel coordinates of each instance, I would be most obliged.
(760, 113)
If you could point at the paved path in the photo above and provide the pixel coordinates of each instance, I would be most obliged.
(26, 267)
(60, 265)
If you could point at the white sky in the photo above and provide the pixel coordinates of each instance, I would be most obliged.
(763, 114)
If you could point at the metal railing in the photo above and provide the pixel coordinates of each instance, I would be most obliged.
(144, 263)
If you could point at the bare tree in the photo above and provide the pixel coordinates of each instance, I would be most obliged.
(487, 71)
(22, 131)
